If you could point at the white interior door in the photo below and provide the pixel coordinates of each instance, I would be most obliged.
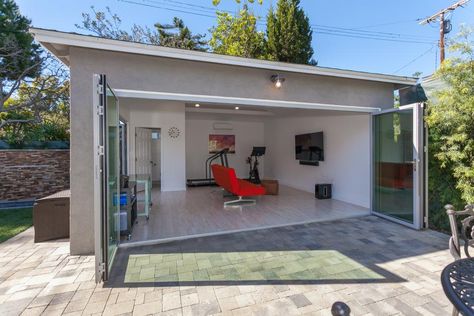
(156, 155)
(143, 160)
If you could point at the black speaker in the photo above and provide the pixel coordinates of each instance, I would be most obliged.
(323, 191)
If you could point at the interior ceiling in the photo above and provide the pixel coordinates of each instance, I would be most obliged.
(262, 111)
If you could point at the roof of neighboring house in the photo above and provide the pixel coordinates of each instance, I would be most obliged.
(432, 84)
(58, 43)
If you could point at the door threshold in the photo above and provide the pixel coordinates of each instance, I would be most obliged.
(226, 232)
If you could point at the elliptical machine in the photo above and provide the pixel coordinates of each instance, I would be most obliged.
(254, 176)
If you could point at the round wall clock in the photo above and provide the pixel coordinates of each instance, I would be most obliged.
(173, 132)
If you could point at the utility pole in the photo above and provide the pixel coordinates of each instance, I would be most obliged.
(441, 37)
(445, 26)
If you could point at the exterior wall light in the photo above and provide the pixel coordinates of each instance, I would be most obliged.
(197, 105)
(277, 80)
(236, 107)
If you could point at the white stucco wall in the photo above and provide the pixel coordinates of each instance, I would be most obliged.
(247, 135)
(153, 114)
(346, 162)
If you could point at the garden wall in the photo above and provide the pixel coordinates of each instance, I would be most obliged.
(30, 174)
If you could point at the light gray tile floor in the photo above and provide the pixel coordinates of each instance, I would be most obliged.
(201, 210)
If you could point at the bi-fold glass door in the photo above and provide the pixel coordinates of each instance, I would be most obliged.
(397, 165)
(107, 175)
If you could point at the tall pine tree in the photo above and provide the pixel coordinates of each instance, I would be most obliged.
(289, 33)
(178, 35)
(20, 57)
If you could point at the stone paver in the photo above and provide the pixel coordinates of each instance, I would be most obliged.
(376, 267)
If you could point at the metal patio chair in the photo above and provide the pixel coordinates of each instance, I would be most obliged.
(466, 233)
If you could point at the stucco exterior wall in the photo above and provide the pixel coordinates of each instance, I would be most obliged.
(128, 71)
(137, 72)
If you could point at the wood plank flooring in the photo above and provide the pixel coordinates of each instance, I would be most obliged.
(199, 211)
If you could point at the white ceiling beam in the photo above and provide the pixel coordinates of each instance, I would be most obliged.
(198, 98)
(229, 111)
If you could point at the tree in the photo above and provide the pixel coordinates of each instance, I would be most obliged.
(108, 25)
(26, 73)
(451, 117)
(45, 122)
(178, 35)
(289, 33)
(37, 103)
(19, 55)
(238, 36)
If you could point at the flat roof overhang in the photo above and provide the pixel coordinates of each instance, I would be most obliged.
(199, 98)
(59, 42)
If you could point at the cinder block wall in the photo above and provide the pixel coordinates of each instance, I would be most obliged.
(30, 174)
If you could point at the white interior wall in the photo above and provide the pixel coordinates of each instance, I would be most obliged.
(346, 154)
(346, 137)
(247, 135)
(163, 115)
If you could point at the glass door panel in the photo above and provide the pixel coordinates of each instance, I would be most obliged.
(113, 174)
(393, 159)
(107, 176)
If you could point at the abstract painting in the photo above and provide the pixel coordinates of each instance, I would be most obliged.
(220, 142)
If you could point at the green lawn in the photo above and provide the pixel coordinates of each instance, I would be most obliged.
(14, 221)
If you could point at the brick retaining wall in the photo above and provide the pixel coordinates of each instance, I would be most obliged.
(30, 174)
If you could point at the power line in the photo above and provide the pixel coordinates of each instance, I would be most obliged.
(186, 5)
(319, 29)
(169, 9)
(373, 38)
(414, 59)
(352, 30)
(384, 24)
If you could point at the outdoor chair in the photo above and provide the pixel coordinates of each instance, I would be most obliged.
(466, 233)
(227, 179)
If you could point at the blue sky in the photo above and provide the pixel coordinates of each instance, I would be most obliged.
(344, 30)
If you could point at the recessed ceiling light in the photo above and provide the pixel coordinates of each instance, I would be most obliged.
(197, 105)
(236, 107)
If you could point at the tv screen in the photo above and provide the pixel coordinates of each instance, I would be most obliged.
(309, 147)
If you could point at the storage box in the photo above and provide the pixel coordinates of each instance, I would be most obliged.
(51, 216)
(271, 186)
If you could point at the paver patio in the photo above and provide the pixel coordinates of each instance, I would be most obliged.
(376, 267)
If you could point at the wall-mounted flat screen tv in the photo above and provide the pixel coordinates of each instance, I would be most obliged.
(309, 147)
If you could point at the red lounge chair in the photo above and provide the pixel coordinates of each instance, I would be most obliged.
(226, 178)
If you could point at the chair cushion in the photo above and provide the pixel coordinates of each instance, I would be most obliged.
(247, 188)
(226, 178)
